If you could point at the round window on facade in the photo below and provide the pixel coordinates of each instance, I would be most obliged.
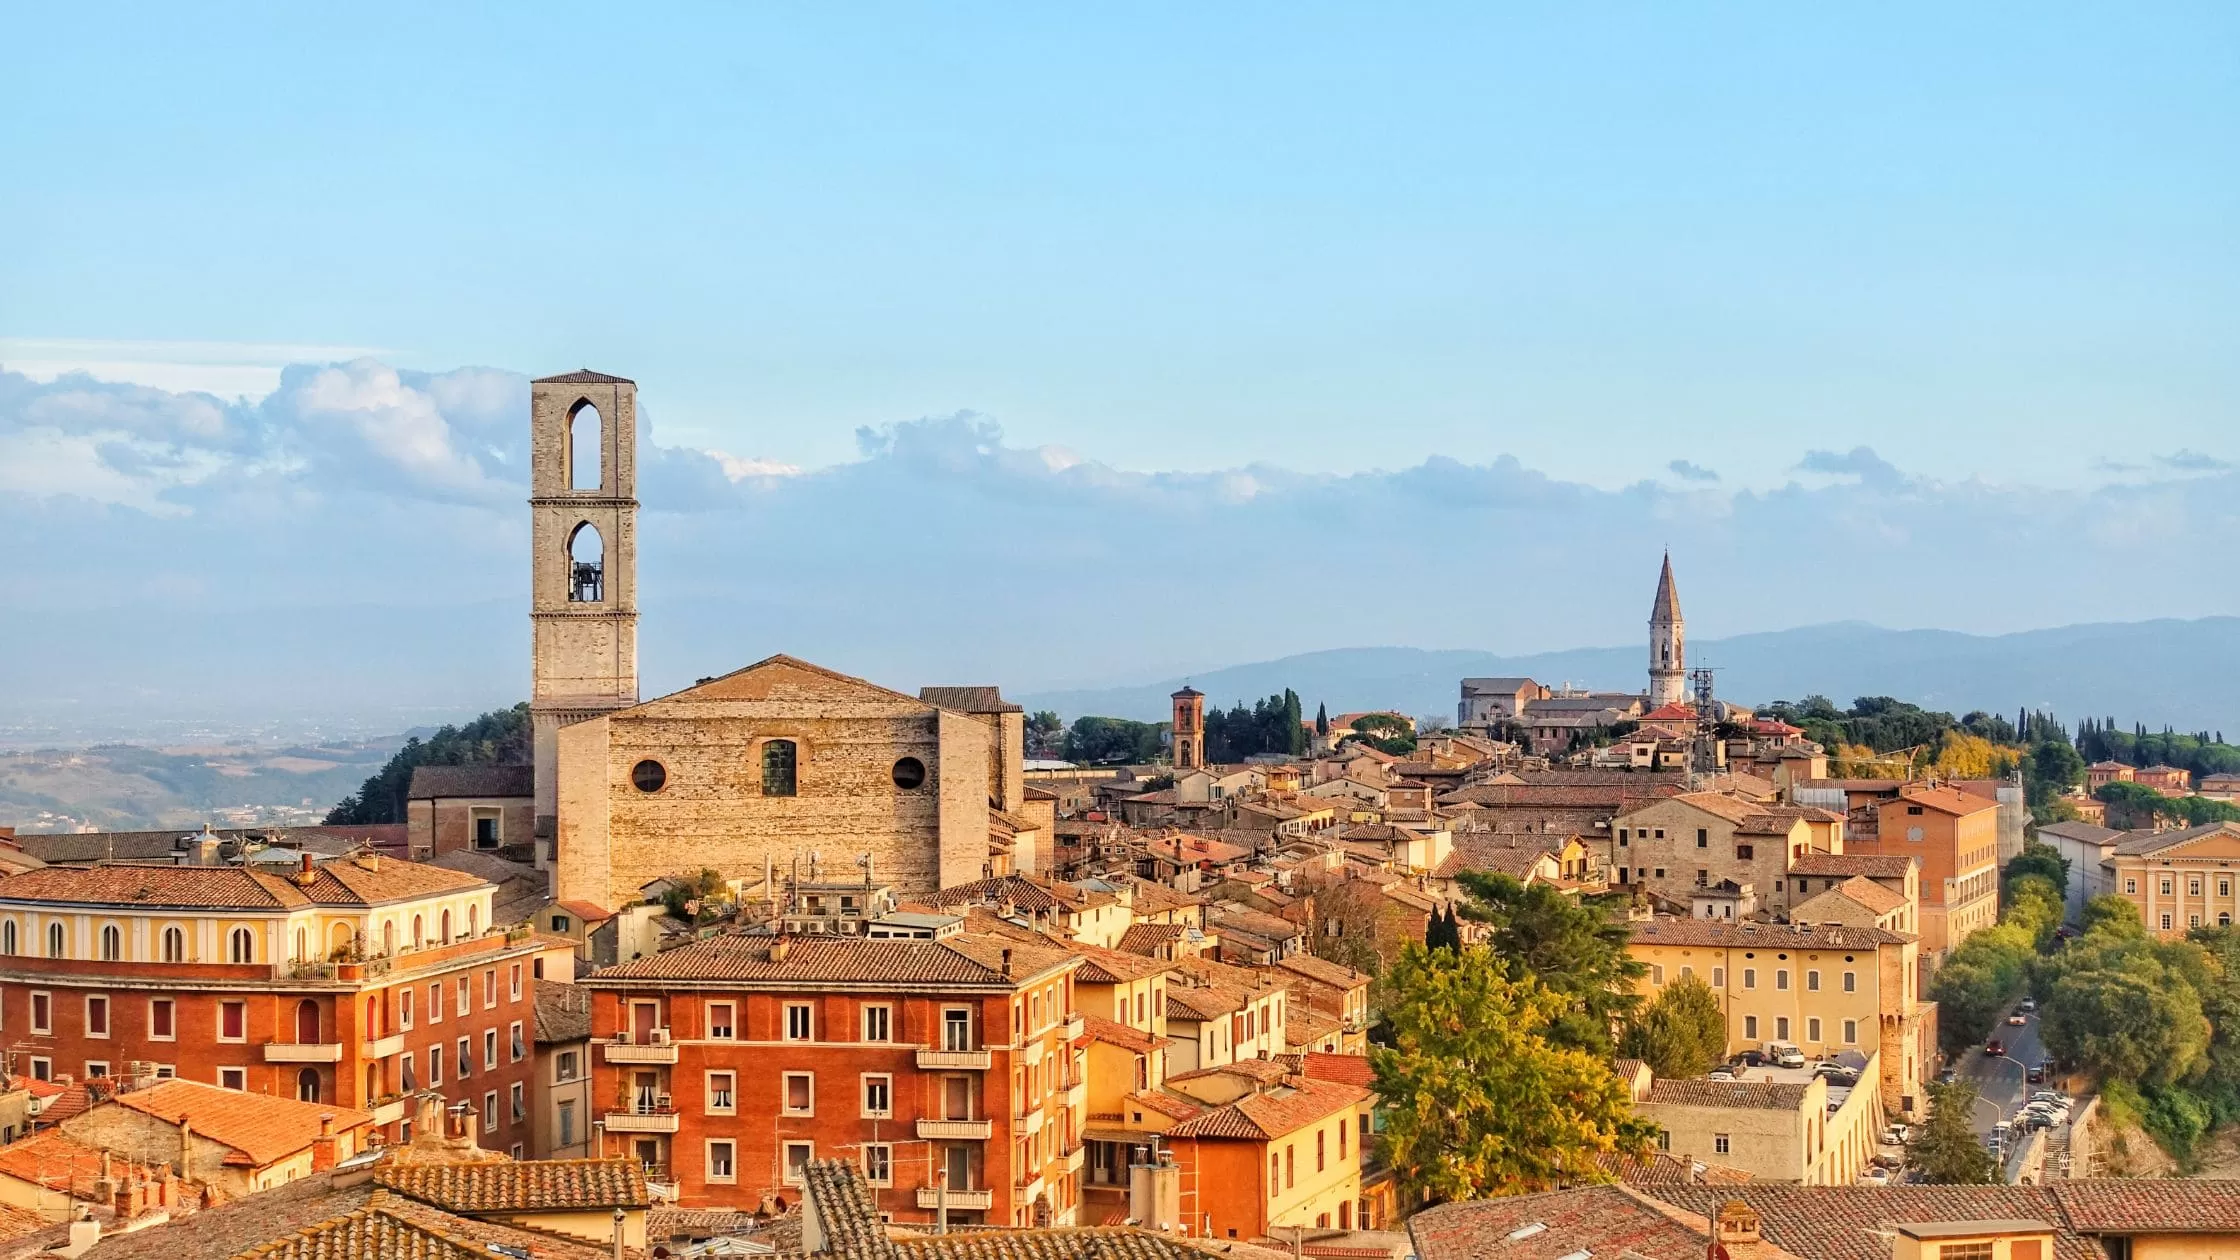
(909, 773)
(648, 776)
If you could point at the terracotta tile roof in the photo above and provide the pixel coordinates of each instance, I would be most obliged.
(589, 912)
(1673, 930)
(1265, 926)
(2138, 845)
(1616, 797)
(1845, 865)
(1323, 971)
(967, 960)
(1114, 1033)
(1143, 938)
(1855, 1222)
(1506, 852)
(1697, 1091)
(1303, 1025)
(1166, 1105)
(1197, 1006)
(1258, 1071)
(1612, 1221)
(373, 881)
(1658, 1168)
(1346, 1069)
(17, 1222)
(544, 1185)
(53, 1160)
(969, 699)
(1946, 800)
(1150, 898)
(1038, 896)
(1870, 894)
(2144, 1206)
(1284, 1109)
(1114, 966)
(667, 1224)
(563, 1011)
(436, 782)
(365, 880)
(390, 1226)
(263, 1128)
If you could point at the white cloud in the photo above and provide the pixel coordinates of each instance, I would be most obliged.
(223, 368)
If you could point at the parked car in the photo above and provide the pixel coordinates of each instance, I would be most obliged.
(1724, 1074)
(1994, 1047)
(1896, 1135)
(1751, 1058)
(1786, 1055)
(2049, 1096)
(2036, 1074)
(1947, 1077)
(2018, 1020)
(2029, 1004)
(1872, 1176)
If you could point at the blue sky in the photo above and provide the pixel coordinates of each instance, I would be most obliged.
(1986, 241)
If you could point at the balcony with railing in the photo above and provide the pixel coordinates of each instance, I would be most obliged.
(384, 1047)
(661, 1184)
(970, 1060)
(929, 1198)
(390, 1109)
(654, 1117)
(655, 1047)
(956, 1128)
(302, 1052)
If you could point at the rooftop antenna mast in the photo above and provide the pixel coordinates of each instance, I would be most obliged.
(1704, 756)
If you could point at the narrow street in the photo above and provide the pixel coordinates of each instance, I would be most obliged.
(2002, 1079)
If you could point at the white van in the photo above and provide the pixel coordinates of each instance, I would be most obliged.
(1785, 1054)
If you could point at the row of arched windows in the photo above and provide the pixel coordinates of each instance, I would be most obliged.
(241, 942)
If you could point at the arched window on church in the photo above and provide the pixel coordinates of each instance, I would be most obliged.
(112, 944)
(778, 762)
(55, 941)
(587, 565)
(584, 448)
(174, 945)
(8, 937)
(241, 946)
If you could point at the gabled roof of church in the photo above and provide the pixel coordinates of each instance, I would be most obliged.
(1667, 607)
(728, 685)
(584, 376)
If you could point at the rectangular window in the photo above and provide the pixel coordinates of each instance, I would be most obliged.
(800, 1094)
(2193, 887)
(723, 1165)
(1719, 1145)
(1750, 1027)
(878, 1163)
(520, 1102)
(460, 1004)
(2166, 923)
(1745, 852)
(408, 1078)
(1749, 977)
(1812, 981)
(1812, 1028)
(490, 1112)
(878, 1023)
(519, 1050)
(956, 1029)
(1968, 1251)
(564, 1066)
(878, 1096)
(97, 1016)
(798, 1021)
(1850, 982)
(404, 1009)
(798, 1155)
(1851, 1032)
(233, 1021)
(466, 1058)
(1703, 838)
(1660, 872)
(565, 1113)
(1319, 1162)
(162, 1015)
(490, 989)
(435, 1065)
(1781, 978)
(2166, 885)
(1656, 973)
(1718, 977)
(97, 1067)
(42, 1013)
(233, 1078)
(720, 1025)
(435, 1002)
(1290, 1165)
(42, 1069)
(489, 1049)
(2131, 885)
(516, 981)
(1781, 1027)
(721, 1098)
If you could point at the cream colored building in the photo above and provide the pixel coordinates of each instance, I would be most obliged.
(1823, 987)
(2180, 880)
(1696, 840)
(1777, 1131)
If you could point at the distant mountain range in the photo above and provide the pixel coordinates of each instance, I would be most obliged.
(2182, 673)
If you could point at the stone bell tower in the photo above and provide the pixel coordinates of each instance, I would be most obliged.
(583, 609)
(1668, 643)
(1189, 730)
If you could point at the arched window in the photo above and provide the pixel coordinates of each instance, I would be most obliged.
(389, 937)
(373, 1083)
(301, 941)
(174, 945)
(373, 1025)
(55, 942)
(112, 944)
(474, 920)
(241, 946)
(307, 1085)
(341, 941)
(447, 927)
(778, 763)
(585, 446)
(587, 565)
(8, 937)
(419, 931)
(307, 1023)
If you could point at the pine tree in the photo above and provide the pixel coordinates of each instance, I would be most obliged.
(1322, 719)
(1946, 1149)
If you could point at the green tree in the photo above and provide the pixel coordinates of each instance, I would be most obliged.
(1322, 719)
(1683, 1033)
(2042, 860)
(1574, 946)
(1110, 741)
(1046, 735)
(1945, 1147)
(497, 738)
(1479, 1100)
(2052, 768)
(2110, 913)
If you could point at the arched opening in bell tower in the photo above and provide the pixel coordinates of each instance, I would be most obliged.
(587, 566)
(584, 448)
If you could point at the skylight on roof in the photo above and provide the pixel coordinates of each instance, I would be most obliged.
(1527, 1231)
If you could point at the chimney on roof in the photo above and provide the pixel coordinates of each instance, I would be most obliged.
(186, 1147)
(306, 876)
(1007, 964)
(780, 947)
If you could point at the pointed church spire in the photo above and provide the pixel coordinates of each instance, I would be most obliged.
(1667, 607)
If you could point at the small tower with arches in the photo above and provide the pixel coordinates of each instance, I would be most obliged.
(583, 484)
